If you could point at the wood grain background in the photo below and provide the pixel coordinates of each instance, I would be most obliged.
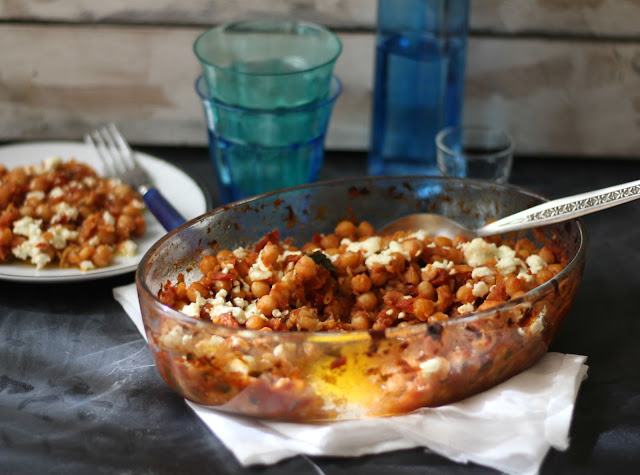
(562, 75)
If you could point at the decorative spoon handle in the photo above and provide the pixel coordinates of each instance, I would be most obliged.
(564, 209)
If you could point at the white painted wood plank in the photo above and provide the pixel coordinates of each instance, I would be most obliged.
(619, 18)
(557, 97)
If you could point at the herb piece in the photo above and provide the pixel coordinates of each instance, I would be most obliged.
(322, 260)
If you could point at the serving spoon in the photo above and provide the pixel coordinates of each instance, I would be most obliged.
(554, 211)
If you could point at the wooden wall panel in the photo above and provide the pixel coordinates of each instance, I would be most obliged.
(617, 18)
(563, 76)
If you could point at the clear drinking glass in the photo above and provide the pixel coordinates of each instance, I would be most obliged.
(475, 152)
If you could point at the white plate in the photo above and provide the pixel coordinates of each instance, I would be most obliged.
(179, 189)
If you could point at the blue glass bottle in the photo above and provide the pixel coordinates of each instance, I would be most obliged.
(421, 48)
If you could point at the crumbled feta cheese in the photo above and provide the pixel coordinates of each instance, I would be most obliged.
(127, 248)
(478, 251)
(31, 248)
(56, 192)
(445, 264)
(61, 235)
(35, 195)
(86, 265)
(466, 308)
(536, 263)
(64, 210)
(526, 277)
(259, 270)
(480, 289)
(240, 252)
(369, 246)
(51, 163)
(108, 219)
(480, 272)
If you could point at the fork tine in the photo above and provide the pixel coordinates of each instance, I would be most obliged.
(124, 147)
(96, 141)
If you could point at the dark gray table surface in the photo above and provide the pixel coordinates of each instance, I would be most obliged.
(79, 392)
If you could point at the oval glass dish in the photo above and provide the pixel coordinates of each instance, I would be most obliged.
(314, 376)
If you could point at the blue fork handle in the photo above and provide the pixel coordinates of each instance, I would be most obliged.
(162, 209)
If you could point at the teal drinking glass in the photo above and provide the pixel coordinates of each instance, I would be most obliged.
(254, 151)
(268, 63)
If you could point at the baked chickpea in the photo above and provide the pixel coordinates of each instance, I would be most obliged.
(346, 229)
(464, 294)
(266, 305)
(427, 290)
(260, 288)
(5, 236)
(367, 301)
(196, 289)
(361, 283)
(414, 247)
(102, 256)
(269, 254)
(329, 241)
(360, 321)
(255, 322)
(412, 275)
(547, 255)
(305, 268)
(423, 308)
(365, 229)
(208, 264)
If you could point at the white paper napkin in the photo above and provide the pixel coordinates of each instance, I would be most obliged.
(510, 427)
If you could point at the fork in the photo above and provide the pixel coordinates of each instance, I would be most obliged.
(120, 162)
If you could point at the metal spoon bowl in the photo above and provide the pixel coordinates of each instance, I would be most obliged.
(554, 211)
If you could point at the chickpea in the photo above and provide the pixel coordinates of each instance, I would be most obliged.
(260, 288)
(379, 276)
(329, 241)
(349, 259)
(361, 283)
(102, 256)
(441, 241)
(266, 305)
(280, 293)
(547, 255)
(464, 294)
(5, 236)
(367, 301)
(5, 196)
(219, 285)
(414, 247)
(255, 322)
(346, 229)
(208, 264)
(412, 276)
(423, 308)
(427, 290)
(195, 289)
(360, 321)
(39, 183)
(305, 268)
(512, 285)
(365, 229)
(86, 253)
(44, 211)
(224, 255)
(124, 225)
(269, 254)
(306, 320)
